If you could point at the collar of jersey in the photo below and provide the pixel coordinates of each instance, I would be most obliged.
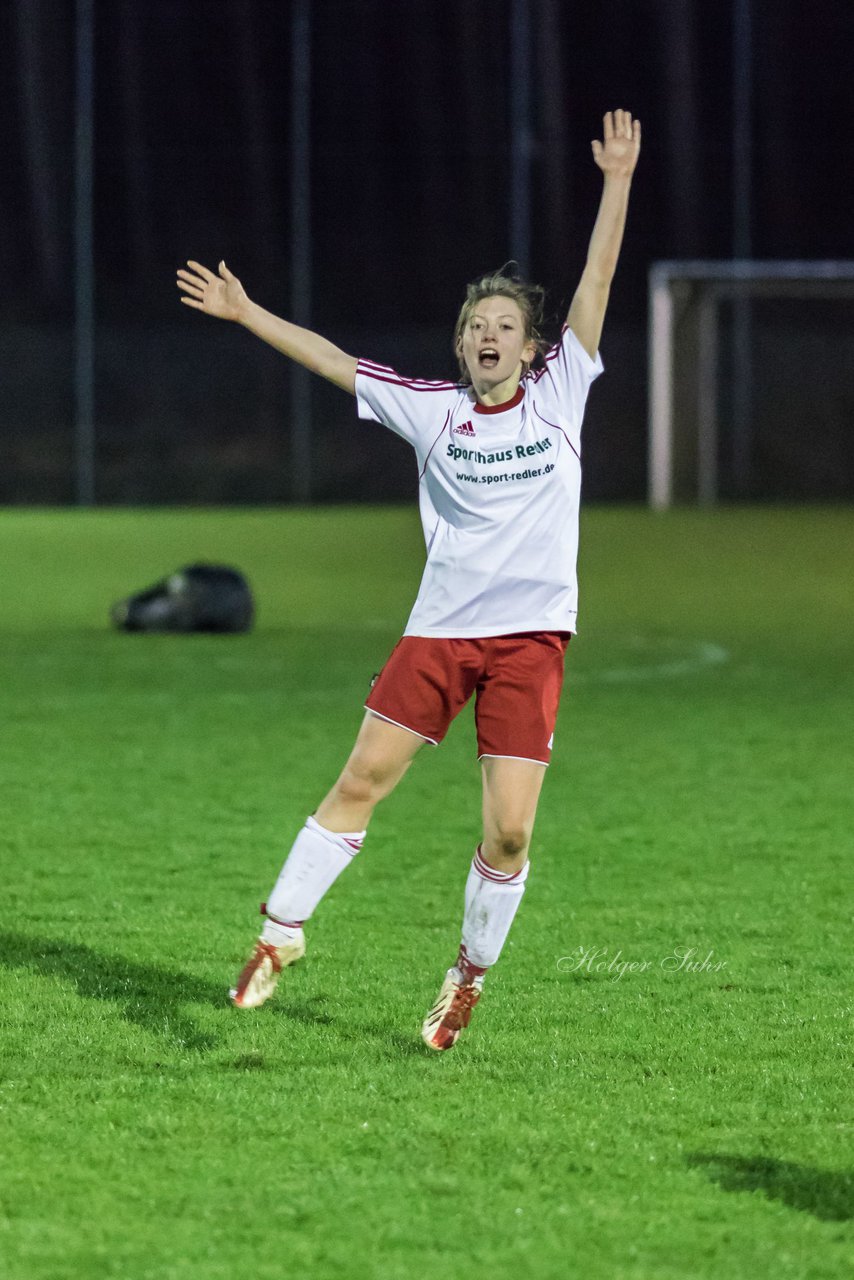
(499, 408)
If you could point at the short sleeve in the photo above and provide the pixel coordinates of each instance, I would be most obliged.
(568, 374)
(411, 407)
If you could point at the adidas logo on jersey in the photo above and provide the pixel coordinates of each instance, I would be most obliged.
(464, 429)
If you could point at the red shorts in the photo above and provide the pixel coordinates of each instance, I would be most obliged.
(516, 681)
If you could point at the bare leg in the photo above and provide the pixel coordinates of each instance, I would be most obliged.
(494, 890)
(324, 847)
(332, 837)
(381, 756)
(511, 791)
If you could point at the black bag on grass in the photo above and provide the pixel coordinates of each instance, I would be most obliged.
(199, 597)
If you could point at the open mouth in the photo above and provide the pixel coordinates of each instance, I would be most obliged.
(488, 358)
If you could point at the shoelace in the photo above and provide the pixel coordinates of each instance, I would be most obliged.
(267, 949)
(459, 1014)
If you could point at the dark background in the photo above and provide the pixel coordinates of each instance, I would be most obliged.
(410, 200)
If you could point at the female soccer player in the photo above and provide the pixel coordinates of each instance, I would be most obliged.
(499, 475)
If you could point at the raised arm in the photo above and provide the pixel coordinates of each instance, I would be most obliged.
(223, 296)
(616, 156)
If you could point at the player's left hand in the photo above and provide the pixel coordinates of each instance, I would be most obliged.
(618, 154)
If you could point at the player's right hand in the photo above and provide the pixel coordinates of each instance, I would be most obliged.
(219, 295)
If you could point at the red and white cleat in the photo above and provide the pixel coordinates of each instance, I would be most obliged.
(452, 1010)
(258, 977)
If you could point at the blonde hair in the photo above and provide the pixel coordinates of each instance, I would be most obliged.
(501, 284)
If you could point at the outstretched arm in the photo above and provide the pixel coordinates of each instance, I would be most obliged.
(616, 157)
(223, 295)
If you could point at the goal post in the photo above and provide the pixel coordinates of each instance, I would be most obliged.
(685, 300)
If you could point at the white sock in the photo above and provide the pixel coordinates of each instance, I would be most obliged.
(492, 900)
(314, 863)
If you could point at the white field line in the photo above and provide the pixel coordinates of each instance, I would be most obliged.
(694, 657)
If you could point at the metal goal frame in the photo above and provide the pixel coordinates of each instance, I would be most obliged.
(707, 283)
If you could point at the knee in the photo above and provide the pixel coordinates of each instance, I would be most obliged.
(361, 784)
(509, 842)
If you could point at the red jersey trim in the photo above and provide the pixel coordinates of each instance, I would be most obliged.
(381, 373)
(555, 427)
(435, 442)
(500, 408)
(551, 354)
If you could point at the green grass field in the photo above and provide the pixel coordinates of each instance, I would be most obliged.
(654, 1123)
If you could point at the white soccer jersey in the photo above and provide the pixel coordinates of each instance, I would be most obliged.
(499, 491)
